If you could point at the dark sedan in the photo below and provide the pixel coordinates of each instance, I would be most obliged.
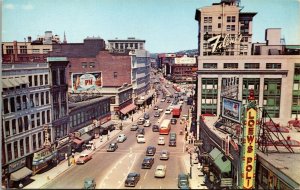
(173, 121)
(155, 128)
(150, 151)
(132, 179)
(112, 147)
(147, 162)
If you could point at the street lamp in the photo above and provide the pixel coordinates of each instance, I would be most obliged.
(191, 164)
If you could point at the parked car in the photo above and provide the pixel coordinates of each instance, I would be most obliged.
(140, 138)
(140, 131)
(150, 151)
(83, 158)
(146, 116)
(160, 171)
(141, 121)
(147, 123)
(157, 114)
(89, 183)
(147, 162)
(132, 179)
(160, 109)
(112, 147)
(155, 128)
(155, 108)
(134, 127)
(183, 181)
(161, 141)
(121, 138)
(164, 155)
(173, 121)
(172, 139)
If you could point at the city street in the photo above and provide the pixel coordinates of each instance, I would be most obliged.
(110, 169)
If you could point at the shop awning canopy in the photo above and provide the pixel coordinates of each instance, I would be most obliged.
(220, 160)
(20, 174)
(85, 137)
(105, 125)
(127, 108)
(78, 141)
(6, 83)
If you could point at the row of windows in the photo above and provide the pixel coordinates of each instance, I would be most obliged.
(18, 103)
(86, 65)
(23, 50)
(228, 18)
(21, 147)
(23, 124)
(128, 45)
(58, 77)
(38, 80)
(246, 66)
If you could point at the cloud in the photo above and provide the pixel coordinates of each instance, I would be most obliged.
(9, 6)
(27, 7)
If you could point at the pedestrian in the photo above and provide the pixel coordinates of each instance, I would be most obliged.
(101, 138)
(132, 118)
(107, 136)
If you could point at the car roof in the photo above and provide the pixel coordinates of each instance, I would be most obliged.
(160, 167)
(164, 151)
(132, 174)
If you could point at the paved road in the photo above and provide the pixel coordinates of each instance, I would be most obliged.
(110, 169)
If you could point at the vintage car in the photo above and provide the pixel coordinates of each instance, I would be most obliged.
(83, 158)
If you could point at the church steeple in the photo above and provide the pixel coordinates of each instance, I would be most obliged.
(65, 39)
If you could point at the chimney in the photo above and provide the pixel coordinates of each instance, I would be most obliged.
(29, 39)
(15, 51)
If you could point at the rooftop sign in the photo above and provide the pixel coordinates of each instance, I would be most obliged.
(220, 43)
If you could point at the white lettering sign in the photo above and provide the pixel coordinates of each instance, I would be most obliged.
(219, 44)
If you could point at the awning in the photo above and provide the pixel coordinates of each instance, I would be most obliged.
(105, 125)
(13, 82)
(78, 141)
(128, 108)
(20, 174)
(85, 137)
(220, 160)
(6, 83)
(25, 80)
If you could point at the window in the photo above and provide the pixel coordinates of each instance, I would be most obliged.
(14, 126)
(47, 98)
(16, 149)
(230, 27)
(43, 118)
(24, 102)
(48, 116)
(7, 129)
(30, 80)
(84, 65)
(38, 120)
(219, 25)
(115, 74)
(20, 124)
(18, 103)
(46, 50)
(21, 147)
(210, 65)
(23, 49)
(273, 66)
(207, 19)
(12, 104)
(41, 80)
(46, 79)
(5, 103)
(26, 122)
(40, 139)
(230, 65)
(251, 65)
(32, 121)
(92, 65)
(62, 76)
(54, 77)
(27, 144)
(31, 101)
(35, 51)
(9, 152)
(244, 39)
(208, 28)
(136, 46)
(34, 142)
(35, 80)
(42, 98)
(37, 101)
(230, 18)
(9, 50)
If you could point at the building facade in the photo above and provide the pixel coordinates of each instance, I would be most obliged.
(26, 110)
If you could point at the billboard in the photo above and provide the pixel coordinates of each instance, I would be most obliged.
(86, 81)
(231, 109)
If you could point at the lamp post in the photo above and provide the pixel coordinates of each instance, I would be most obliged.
(191, 164)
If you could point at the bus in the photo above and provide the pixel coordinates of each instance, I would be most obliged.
(165, 127)
(176, 111)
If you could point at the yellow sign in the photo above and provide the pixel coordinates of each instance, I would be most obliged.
(250, 138)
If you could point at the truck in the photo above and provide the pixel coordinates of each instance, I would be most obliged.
(176, 111)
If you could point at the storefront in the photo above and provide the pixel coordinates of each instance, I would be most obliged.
(18, 172)
(63, 148)
(43, 159)
(127, 111)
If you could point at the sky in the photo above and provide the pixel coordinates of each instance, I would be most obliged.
(166, 25)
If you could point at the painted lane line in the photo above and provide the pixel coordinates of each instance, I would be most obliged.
(129, 168)
(145, 174)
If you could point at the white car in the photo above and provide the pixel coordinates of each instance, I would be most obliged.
(164, 155)
(121, 138)
(160, 109)
(160, 171)
(161, 141)
(140, 138)
(163, 100)
(147, 123)
(168, 111)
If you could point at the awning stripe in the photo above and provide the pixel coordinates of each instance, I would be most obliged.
(6, 83)
(128, 108)
(20, 174)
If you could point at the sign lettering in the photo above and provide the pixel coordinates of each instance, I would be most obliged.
(219, 44)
